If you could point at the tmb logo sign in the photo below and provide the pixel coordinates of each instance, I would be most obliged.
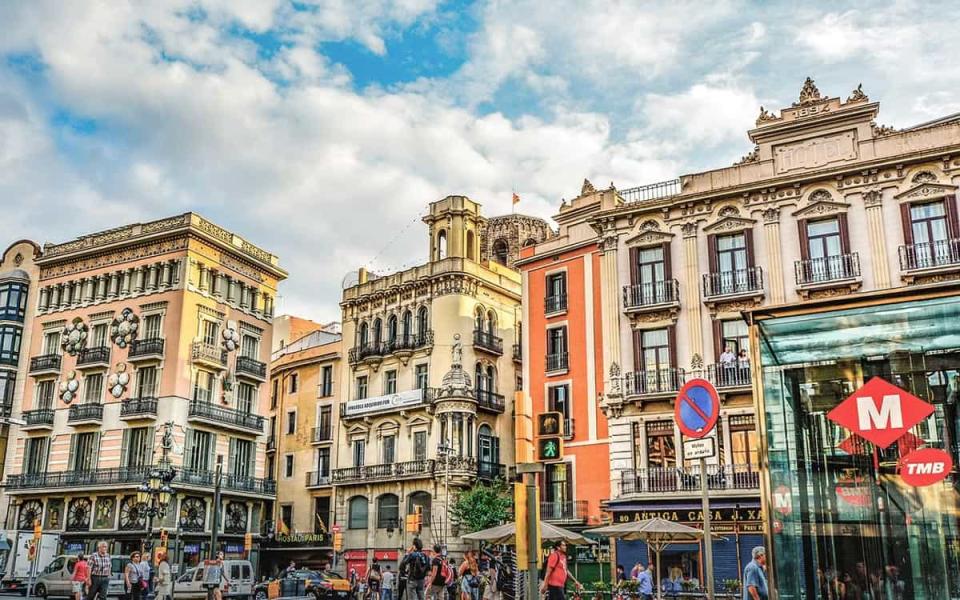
(925, 467)
(880, 412)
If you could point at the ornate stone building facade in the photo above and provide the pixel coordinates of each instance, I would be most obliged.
(161, 322)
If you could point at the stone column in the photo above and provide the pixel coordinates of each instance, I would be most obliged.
(691, 297)
(102, 287)
(125, 282)
(254, 300)
(165, 274)
(152, 277)
(44, 298)
(610, 303)
(114, 287)
(771, 245)
(873, 201)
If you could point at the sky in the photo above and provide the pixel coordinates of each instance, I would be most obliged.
(320, 130)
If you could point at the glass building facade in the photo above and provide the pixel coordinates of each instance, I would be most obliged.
(843, 524)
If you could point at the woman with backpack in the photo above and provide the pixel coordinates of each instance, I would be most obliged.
(469, 577)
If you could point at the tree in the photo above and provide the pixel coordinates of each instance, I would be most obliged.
(482, 506)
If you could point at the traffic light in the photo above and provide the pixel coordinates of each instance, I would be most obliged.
(549, 437)
(163, 537)
(337, 541)
(247, 542)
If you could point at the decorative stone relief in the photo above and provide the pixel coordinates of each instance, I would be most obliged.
(615, 380)
(872, 198)
(231, 338)
(820, 196)
(924, 177)
(689, 229)
(815, 152)
(765, 116)
(124, 328)
(587, 188)
(69, 387)
(119, 380)
(771, 215)
(18, 259)
(729, 211)
(809, 94)
(74, 337)
(696, 363)
(857, 95)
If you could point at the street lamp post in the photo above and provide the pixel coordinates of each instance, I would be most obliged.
(155, 493)
(445, 450)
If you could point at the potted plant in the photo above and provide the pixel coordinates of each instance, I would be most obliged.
(629, 587)
(600, 589)
(731, 585)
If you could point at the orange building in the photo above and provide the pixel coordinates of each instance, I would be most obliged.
(563, 364)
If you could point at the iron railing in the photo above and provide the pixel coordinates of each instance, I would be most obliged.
(210, 353)
(654, 382)
(555, 303)
(227, 416)
(568, 429)
(409, 342)
(146, 347)
(651, 191)
(324, 433)
(654, 293)
(94, 356)
(407, 469)
(557, 362)
(827, 268)
(272, 444)
(518, 353)
(656, 480)
(487, 341)
(563, 510)
(318, 478)
(38, 416)
(136, 407)
(491, 401)
(491, 470)
(251, 366)
(731, 283)
(45, 362)
(928, 255)
(731, 374)
(85, 412)
(242, 483)
(111, 476)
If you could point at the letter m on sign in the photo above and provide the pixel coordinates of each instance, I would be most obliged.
(880, 412)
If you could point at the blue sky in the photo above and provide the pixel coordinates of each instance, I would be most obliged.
(323, 128)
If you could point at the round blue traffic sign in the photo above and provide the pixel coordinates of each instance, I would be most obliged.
(696, 408)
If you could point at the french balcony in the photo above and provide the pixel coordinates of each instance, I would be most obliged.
(145, 349)
(406, 344)
(272, 444)
(654, 383)
(94, 357)
(414, 469)
(85, 414)
(486, 341)
(490, 401)
(489, 471)
(827, 272)
(45, 364)
(657, 481)
(317, 479)
(39, 418)
(568, 429)
(653, 296)
(937, 256)
(251, 368)
(517, 353)
(729, 375)
(114, 476)
(733, 285)
(210, 355)
(322, 434)
(207, 412)
(240, 483)
(135, 409)
(557, 362)
(564, 511)
(556, 303)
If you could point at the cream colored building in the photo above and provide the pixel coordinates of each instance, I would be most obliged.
(402, 396)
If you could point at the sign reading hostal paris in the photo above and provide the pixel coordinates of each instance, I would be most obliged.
(880, 412)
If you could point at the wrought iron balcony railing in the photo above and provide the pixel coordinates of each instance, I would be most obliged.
(517, 353)
(45, 362)
(491, 401)
(85, 412)
(111, 476)
(929, 255)
(557, 362)
(827, 269)
(272, 444)
(38, 416)
(210, 353)
(731, 374)
(401, 343)
(555, 303)
(94, 356)
(654, 293)
(401, 470)
(318, 478)
(659, 381)
(323, 433)
(487, 341)
(733, 283)
(139, 407)
(226, 416)
(491, 470)
(658, 480)
(242, 483)
(563, 511)
(251, 366)
(146, 347)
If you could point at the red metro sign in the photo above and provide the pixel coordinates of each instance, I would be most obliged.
(880, 412)
(925, 467)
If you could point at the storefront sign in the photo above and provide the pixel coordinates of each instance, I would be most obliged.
(690, 515)
(696, 408)
(381, 403)
(880, 412)
(301, 538)
(355, 555)
(783, 500)
(73, 547)
(386, 555)
(233, 549)
(191, 549)
(925, 467)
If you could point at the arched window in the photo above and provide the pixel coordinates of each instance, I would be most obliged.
(491, 378)
(488, 451)
(500, 251)
(358, 513)
(377, 332)
(423, 500)
(423, 324)
(478, 377)
(407, 325)
(492, 322)
(470, 243)
(392, 329)
(441, 244)
(364, 334)
(388, 511)
(478, 319)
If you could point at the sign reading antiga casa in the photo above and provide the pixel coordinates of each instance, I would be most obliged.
(381, 403)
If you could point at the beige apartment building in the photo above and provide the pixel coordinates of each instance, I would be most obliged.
(427, 392)
(136, 331)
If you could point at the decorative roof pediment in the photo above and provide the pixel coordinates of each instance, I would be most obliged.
(419, 420)
(650, 238)
(924, 191)
(729, 224)
(358, 429)
(818, 209)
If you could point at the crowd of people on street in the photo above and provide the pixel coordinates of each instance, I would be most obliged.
(91, 575)
(754, 580)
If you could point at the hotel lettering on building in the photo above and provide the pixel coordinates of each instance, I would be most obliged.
(838, 239)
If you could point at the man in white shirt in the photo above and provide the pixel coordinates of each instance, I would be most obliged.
(387, 583)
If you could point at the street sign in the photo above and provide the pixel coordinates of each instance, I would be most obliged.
(880, 412)
(696, 408)
(783, 500)
(699, 448)
(925, 467)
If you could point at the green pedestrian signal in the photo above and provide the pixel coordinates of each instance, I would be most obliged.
(549, 449)
(550, 436)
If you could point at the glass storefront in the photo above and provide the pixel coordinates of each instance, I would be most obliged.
(843, 522)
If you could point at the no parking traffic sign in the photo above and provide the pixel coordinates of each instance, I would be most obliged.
(696, 408)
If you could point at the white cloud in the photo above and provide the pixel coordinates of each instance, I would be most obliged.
(704, 115)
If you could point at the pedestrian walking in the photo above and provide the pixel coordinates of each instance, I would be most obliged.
(388, 580)
(755, 576)
(133, 578)
(80, 580)
(555, 579)
(100, 572)
(418, 568)
(469, 573)
(491, 591)
(645, 583)
(437, 581)
(164, 587)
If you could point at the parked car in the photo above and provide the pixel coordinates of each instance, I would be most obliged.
(303, 582)
(54, 580)
(333, 587)
(189, 586)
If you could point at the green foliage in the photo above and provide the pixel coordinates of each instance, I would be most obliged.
(483, 506)
(601, 586)
(731, 585)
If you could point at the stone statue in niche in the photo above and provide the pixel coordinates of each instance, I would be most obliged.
(456, 353)
(123, 329)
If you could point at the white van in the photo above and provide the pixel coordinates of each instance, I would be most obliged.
(54, 580)
(189, 586)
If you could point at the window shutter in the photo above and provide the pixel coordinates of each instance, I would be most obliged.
(637, 350)
(27, 447)
(125, 449)
(748, 242)
(212, 464)
(95, 459)
(634, 265)
(672, 340)
(151, 444)
(73, 451)
(712, 252)
(844, 233)
(804, 239)
(188, 449)
(907, 224)
(953, 223)
(717, 339)
(232, 456)
(667, 263)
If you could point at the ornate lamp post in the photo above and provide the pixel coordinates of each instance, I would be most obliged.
(155, 493)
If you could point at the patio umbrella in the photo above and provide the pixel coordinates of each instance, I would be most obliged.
(505, 534)
(657, 533)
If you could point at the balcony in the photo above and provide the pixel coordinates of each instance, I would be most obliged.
(365, 352)
(490, 401)
(209, 354)
(555, 304)
(686, 480)
(252, 368)
(564, 511)
(940, 255)
(484, 340)
(403, 345)
(318, 479)
(827, 272)
(557, 362)
(40, 418)
(729, 375)
(145, 349)
(490, 471)
(138, 408)
(652, 383)
(414, 469)
(207, 412)
(517, 353)
(69, 479)
(85, 414)
(272, 444)
(94, 357)
(568, 429)
(650, 297)
(322, 434)
(45, 363)
(732, 285)
(241, 483)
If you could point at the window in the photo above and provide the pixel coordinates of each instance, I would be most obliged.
(51, 342)
(661, 447)
(137, 447)
(488, 446)
(246, 397)
(286, 515)
(210, 331)
(291, 422)
(45, 392)
(558, 399)
(390, 382)
(654, 350)
(421, 375)
(478, 377)
(323, 462)
(735, 336)
(240, 463)
(361, 387)
(407, 326)
(389, 445)
(359, 452)
(321, 511)
(203, 389)
(200, 448)
(83, 451)
(151, 327)
(357, 513)
(8, 383)
(423, 325)
(273, 393)
(392, 330)
(556, 292)
(93, 388)
(326, 422)
(377, 332)
(557, 340)
(441, 245)
(930, 230)
(250, 346)
(10, 337)
(420, 445)
(99, 335)
(559, 483)
(288, 466)
(649, 269)
(388, 511)
(731, 252)
(928, 223)
(35, 455)
(294, 382)
(471, 242)
(500, 251)
(744, 443)
(13, 301)
(326, 381)
(364, 335)
(146, 382)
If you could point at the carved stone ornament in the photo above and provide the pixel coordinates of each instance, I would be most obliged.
(18, 259)
(649, 225)
(765, 116)
(124, 328)
(750, 157)
(924, 177)
(771, 215)
(587, 188)
(883, 130)
(231, 338)
(729, 211)
(74, 337)
(809, 94)
(689, 229)
(615, 379)
(119, 380)
(609, 243)
(696, 363)
(857, 95)
(872, 198)
(820, 196)
(729, 224)
(69, 387)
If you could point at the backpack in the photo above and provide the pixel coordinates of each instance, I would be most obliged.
(446, 573)
(418, 566)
